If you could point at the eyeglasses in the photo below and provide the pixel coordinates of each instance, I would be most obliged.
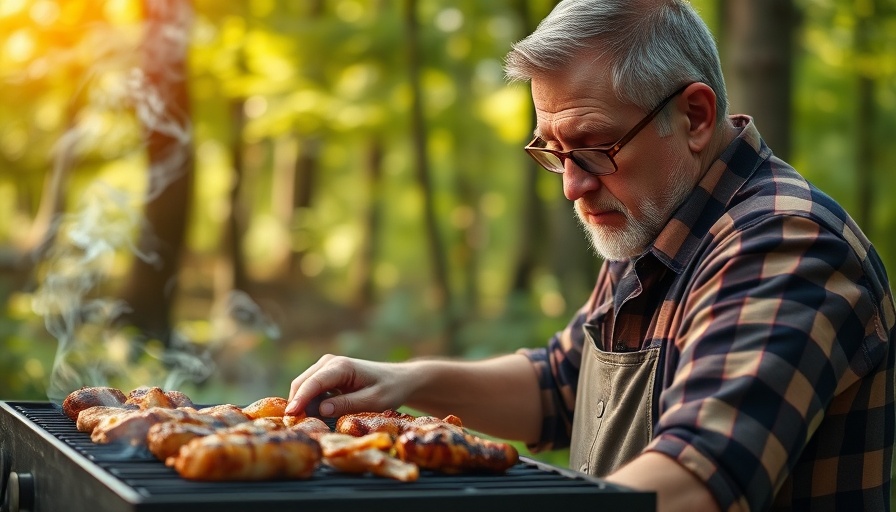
(596, 161)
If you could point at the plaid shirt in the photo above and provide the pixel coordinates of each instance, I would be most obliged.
(774, 314)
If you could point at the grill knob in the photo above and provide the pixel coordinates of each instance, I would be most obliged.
(19, 493)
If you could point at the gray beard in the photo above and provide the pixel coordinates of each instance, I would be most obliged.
(638, 233)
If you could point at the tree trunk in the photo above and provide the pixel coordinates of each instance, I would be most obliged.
(232, 266)
(467, 218)
(550, 237)
(283, 201)
(43, 230)
(758, 41)
(866, 115)
(52, 200)
(295, 182)
(307, 164)
(441, 286)
(529, 253)
(366, 262)
(165, 116)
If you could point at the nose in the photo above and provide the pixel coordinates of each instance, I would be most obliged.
(577, 182)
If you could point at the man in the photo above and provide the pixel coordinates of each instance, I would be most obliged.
(734, 354)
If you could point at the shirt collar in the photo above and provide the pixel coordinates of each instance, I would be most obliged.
(679, 240)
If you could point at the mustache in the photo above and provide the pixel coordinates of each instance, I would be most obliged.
(599, 205)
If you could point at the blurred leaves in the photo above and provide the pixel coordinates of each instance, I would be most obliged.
(327, 81)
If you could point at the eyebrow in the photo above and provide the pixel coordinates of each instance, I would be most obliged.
(582, 130)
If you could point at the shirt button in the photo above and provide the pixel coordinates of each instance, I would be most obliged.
(584, 468)
(599, 409)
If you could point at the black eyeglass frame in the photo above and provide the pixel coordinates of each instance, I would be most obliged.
(536, 151)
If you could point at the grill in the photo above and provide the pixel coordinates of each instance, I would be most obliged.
(48, 466)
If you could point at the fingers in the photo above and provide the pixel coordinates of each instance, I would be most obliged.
(337, 385)
(365, 399)
(297, 382)
(329, 377)
(314, 405)
(310, 384)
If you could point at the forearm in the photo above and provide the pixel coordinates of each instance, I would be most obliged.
(676, 487)
(498, 396)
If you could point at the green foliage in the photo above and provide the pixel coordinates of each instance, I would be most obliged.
(26, 357)
(329, 80)
(833, 59)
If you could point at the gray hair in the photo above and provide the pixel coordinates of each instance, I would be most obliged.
(654, 46)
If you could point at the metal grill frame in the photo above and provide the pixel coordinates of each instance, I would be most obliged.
(72, 473)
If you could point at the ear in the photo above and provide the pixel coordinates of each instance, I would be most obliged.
(699, 103)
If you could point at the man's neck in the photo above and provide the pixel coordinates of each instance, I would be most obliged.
(721, 139)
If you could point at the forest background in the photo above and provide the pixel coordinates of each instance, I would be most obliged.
(211, 195)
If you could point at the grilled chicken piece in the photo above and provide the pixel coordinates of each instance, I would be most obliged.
(336, 444)
(272, 406)
(139, 398)
(392, 422)
(291, 421)
(281, 454)
(89, 418)
(87, 397)
(448, 451)
(365, 454)
(165, 439)
(131, 427)
(228, 413)
(314, 427)
(372, 460)
(256, 427)
(179, 400)
(146, 397)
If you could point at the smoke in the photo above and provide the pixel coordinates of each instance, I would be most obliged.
(240, 332)
(92, 350)
(89, 246)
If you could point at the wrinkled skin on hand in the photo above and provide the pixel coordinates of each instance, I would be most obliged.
(338, 385)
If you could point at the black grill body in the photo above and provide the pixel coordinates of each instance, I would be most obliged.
(48, 466)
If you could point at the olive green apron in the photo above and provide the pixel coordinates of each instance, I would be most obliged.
(613, 418)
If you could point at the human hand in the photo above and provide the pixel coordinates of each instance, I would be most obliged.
(348, 385)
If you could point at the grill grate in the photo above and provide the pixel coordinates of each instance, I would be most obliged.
(527, 486)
